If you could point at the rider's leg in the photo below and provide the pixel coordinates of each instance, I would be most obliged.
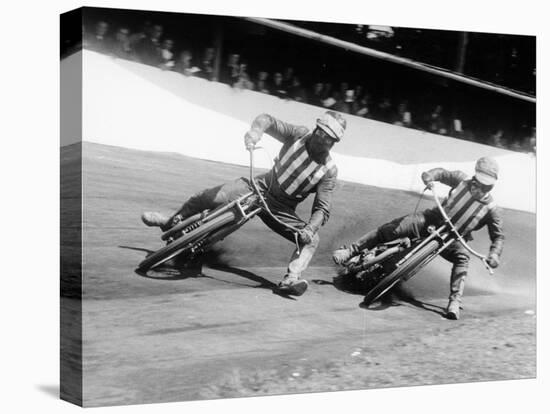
(299, 261)
(204, 200)
(458, 256)
(413, 225)
(301, 256)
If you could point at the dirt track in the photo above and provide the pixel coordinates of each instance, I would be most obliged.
(219, 331)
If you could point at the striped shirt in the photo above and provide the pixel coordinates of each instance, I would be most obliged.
(295, 174)
(464, 210)
(295, 171)
(470, 215)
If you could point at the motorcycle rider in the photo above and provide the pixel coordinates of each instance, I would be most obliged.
(469, 205)
(304, 166)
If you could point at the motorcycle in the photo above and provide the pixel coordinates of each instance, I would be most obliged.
(193, 236)
(378, 270)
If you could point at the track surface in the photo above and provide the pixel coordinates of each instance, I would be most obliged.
(220, 331)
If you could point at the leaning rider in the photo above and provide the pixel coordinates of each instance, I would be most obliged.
(304, 166)
(469, 206)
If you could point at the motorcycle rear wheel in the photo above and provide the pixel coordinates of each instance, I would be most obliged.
(185, 242)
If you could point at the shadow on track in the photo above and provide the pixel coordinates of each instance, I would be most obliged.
(181, 269)
(439, 310)
(137, 249)
(263, 283)
(399, 295)
(394, 299)
(175, 272)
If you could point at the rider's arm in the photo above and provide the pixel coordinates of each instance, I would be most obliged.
(282, 131)
(494, 222)
(450, 178)
(320, 210)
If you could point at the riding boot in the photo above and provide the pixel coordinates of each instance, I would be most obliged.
(154, 219)
(458, 276)
(291, 283)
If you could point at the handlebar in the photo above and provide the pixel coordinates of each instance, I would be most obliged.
(293, 229)
(480, 256)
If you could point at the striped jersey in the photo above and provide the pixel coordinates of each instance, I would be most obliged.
(464, 211)
(296, 172)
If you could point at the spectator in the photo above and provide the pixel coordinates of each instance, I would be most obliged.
(457, 130)
(363, 106)
(328, 96)
(288, 78)
(135, 38)
(243, 78)
(341, 94)
(99, 40)
(496, 139)
(516, 145)
(297, 92)
(184, 64)
(358, 92)
(262, 84)
(316, 98)
(351, 100)
(403, 116)
(436, 122)
(344, 104)
(121, 46)
(148, 48)
(384, 110)
(278, 88)
(231, 72)
(167, 54)
(327, 91)
(207, 64)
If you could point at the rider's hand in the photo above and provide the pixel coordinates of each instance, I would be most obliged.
(428, 179)
(493, 260)
(251, 138)
(306, 235)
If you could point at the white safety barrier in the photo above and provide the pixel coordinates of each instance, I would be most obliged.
(136, 106)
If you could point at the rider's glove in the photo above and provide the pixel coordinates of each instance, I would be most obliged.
(493, 260)
(343, 254)
(251, 138)
(428, 179)
(306, 235)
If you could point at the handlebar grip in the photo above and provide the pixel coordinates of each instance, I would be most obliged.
(489, 268)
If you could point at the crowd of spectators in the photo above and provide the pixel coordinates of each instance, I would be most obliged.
(150, 46)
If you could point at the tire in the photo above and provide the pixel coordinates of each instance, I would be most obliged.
(179, 245)
(414, 264)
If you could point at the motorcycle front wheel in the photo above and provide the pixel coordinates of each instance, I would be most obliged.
(406, 269)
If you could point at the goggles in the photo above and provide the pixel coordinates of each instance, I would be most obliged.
(483, 187)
